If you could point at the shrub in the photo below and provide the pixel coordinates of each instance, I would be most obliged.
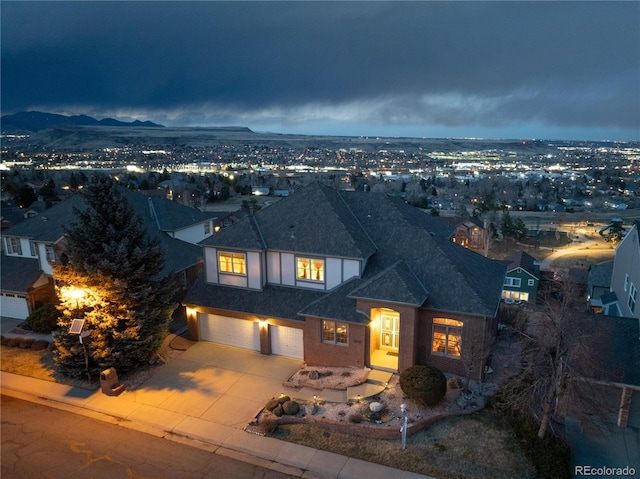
(426, 385)
(44, 319)
(283, 399)
(14, 342)
(271, 404)
(39, 345)
(355, 418)
(26, 343)
(291, 408)
(278, 411)
(267, 425)
(4, 340)
(454, 383)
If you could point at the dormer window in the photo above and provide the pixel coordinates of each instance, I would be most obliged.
(235, 263)
(14, 246)
(309, 269)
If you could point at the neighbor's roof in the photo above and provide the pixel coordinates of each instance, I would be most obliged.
(18, 274)
(49, 226)
(520, 259)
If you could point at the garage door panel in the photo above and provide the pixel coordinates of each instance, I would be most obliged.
(14, 306)
(230, 331)
(287, 341)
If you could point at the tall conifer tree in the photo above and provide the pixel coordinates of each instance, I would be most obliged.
(110, 278)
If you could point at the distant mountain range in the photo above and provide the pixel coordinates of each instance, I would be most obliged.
(36, 121)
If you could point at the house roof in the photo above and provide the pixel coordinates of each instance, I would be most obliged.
(169, 215)
(620, 361)
(314, 220)
(396, 284)
(29, 269)
(520, 259)
(600, 274)
(412, 262)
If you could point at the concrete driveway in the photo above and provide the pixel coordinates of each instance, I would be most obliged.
(212, 382)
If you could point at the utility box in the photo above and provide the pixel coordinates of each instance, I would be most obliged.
(109, 382)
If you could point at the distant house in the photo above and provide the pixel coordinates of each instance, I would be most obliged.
(598, 285)
(467, 232)
(348, 279)
(522, 279)
(32, 247)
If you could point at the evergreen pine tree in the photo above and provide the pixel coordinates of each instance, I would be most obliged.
(113, 268)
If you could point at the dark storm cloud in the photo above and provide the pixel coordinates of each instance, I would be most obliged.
(433, 63)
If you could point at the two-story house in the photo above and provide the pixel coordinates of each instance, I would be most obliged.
(32, 247)
(522, 278)
(625, 278)
(346, 279)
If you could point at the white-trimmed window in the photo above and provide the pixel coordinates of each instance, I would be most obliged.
(632, 297)
(310, 269)
(447, 337)
(532, 282)
(235, 263)
(207, 227)
(626, 281)
(50, 254)
(34, 248)
(334, 332)
(14, 246)
(515, 282)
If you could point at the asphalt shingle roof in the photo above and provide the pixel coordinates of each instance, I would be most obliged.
(49, 226)
(521, 259)
(18, 274)
(409, 258)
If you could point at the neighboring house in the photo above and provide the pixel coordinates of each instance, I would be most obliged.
(35, 245)
(469, 232)
(598, 285)
(522, 278)
(625, 278)
(348, 279)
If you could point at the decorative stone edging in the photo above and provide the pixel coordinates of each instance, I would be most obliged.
(377, 431)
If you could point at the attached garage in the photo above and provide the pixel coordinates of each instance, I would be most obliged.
(287, 341)
(229, 331)
(13, 305)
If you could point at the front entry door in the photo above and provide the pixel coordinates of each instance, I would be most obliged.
(389, 331)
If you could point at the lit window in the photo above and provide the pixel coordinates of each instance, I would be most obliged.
(632, 297)
(310, 269)
(335, 333)
(447, 336)
(232, 262)
(14, 246)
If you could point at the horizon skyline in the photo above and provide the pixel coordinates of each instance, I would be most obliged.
(491, 70)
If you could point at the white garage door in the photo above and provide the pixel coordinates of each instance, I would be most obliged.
(13, 306)
(287, 341)
(230, 331)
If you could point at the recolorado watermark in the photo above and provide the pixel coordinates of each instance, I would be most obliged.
(585, 470)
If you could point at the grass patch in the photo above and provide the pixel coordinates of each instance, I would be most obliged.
(466, 447)
(38, 365)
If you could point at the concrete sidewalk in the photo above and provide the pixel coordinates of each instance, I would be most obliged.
(205, 398)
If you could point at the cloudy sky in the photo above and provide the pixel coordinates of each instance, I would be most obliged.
(554, 70)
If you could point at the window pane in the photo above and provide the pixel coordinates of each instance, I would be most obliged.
(328, 331)
(303, 268)
(224, 260)
(238, 264)
(439, 344)
(453, 342)
(447, 321)
(342, 333)
(317, 270)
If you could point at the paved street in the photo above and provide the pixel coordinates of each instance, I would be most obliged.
(42, 442)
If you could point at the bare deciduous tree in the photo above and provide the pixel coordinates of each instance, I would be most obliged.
(559, 351)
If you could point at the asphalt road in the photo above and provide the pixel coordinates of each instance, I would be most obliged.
(42, 442)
